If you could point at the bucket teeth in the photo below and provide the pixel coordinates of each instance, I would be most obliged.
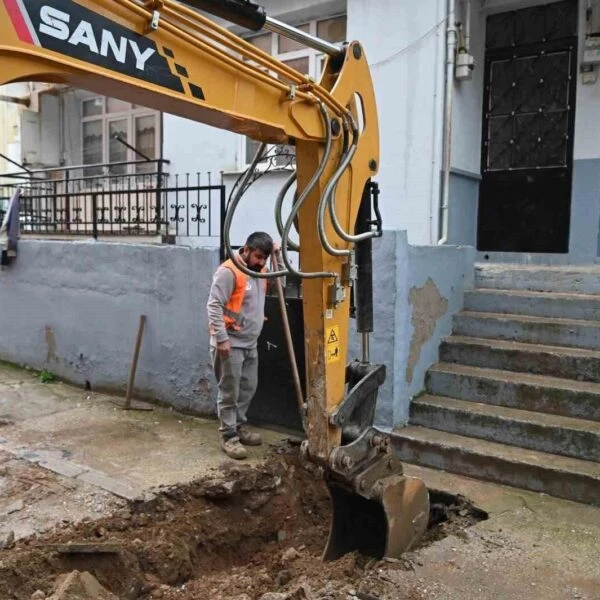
(386, 524)
(406, 508)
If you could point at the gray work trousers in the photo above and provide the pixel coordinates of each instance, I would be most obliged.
(237, 379)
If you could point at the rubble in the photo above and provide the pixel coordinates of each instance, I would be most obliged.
(80, 586)
(7, 540)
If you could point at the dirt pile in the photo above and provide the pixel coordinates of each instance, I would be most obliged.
(237, 534)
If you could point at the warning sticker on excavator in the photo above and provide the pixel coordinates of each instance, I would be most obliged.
(332, 344)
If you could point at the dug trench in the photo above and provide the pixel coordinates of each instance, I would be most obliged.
(238, 533)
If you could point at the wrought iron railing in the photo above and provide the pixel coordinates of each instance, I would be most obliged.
(137, 198)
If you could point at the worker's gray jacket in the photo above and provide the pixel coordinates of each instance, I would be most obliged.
(253, 310)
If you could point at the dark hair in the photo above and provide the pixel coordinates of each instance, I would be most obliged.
(259, 240)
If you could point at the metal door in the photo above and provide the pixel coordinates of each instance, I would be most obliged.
(527, 135)
(275, 400)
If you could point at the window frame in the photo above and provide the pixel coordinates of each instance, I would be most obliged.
(131, 115)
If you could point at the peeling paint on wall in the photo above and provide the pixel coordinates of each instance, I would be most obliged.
(428, 306)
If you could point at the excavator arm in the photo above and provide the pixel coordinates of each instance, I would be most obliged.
(168, 56)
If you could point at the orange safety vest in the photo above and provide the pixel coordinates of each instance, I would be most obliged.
(232, 312)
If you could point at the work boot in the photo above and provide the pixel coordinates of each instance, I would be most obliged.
(233, 448)
(248, 438)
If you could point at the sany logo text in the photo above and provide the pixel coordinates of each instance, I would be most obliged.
(55, 23)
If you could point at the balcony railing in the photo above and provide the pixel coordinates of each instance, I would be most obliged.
(138, 198)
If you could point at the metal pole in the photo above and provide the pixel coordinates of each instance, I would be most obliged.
(290, 343)
(10, 160)
(223, 209)
(95, 216)
(159, 198)
(136, 353)
(67, 201)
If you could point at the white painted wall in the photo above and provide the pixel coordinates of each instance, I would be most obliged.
(193, 147)
(468, 99)
(72, 110)
(50, 130)
(587, 123)
(404, 43)
(10, 134)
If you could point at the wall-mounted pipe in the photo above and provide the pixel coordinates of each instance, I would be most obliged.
(451, 39)
(467, 9)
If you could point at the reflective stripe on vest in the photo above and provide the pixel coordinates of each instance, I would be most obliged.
(232, 312)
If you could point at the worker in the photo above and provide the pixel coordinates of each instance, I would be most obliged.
(236, 314)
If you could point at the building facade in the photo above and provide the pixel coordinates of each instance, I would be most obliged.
(487, 118)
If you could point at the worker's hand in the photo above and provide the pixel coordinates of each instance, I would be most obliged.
(224, 349)
(277, 263)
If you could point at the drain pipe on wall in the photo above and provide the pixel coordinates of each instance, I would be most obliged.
(451, 43)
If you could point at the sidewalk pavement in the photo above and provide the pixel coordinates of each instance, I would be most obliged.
(89, 437)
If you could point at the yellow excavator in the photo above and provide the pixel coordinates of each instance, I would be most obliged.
(170, 56)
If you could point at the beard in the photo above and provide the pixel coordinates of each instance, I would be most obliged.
(245, 257)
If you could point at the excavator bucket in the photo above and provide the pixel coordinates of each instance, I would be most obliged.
(377, 510)
(386, 524)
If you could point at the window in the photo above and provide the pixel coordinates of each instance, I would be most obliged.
(105, 121)
(305, 60)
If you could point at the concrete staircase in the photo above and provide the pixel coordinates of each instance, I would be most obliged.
(515, 397)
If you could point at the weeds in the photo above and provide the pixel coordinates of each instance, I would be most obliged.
(47, 376)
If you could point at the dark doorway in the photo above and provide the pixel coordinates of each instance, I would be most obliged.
(275, 400)
(527, 135)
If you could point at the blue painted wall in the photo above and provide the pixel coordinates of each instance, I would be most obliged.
(585, 211)
(417, 290)
(108, 285)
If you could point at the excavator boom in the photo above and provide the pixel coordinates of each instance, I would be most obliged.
(166, 55)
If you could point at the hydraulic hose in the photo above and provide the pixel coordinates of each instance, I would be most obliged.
(229, 218)
(328, 193)
(298, 204)
(331, 203)
(278, 208)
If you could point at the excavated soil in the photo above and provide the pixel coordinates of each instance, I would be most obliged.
(237, 534)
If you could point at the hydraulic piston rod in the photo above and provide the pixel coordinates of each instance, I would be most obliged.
(301, 36)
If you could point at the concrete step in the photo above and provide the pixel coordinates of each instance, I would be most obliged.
(552, 395)
(574, 333)
(557, 361)
(559, 476)
(540, 304)
(566, 278)
(547, 433)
